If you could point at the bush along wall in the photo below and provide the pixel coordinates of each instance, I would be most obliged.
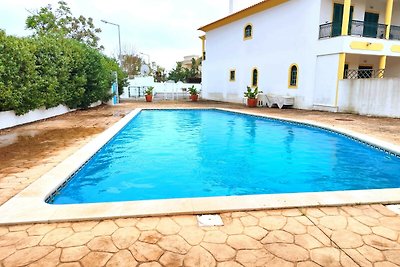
(46, 71)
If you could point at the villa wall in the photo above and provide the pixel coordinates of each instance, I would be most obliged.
(375, 97)
(282, 35)
(325, 82)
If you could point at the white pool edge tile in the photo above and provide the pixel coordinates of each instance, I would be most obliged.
(29, 205)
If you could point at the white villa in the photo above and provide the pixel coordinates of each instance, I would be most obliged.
(341, 55)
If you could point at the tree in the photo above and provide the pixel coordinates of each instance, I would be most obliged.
(61, 23)
(194, 69)
(159, 74)
(131, 64)
(183, 74)
(177, 74)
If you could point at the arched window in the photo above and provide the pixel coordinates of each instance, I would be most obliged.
(248, 31)
(293, 74)
(254, 77)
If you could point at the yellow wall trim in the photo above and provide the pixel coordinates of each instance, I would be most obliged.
(366, 46)
(264, 5)
(342, 61)
(388, 17)
(382, 63)
(203, 46)
(346, 17)
(395, 48)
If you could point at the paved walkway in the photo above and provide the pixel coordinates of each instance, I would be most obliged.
(367, 235)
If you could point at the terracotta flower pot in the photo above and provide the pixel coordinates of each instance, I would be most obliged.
(194, 97)
(149, 98)
(251, 102)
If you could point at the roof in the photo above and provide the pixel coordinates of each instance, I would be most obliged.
(265, 4)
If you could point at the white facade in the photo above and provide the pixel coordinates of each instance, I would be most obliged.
(286, 33)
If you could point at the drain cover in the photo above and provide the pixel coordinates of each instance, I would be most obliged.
(209, 220)
(394, 208)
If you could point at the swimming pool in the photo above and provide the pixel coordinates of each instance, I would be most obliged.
(164, 154)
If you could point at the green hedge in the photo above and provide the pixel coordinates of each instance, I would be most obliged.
(45, 72)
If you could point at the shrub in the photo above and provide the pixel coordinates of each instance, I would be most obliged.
(47, 71)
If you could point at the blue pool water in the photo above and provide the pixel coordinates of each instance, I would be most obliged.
(163, 154)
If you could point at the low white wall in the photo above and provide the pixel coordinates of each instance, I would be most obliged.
(165, 88)
(9, 119)
(375, 97)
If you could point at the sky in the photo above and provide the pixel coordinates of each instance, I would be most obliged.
(166, 30)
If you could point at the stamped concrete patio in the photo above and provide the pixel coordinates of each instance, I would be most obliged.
(367, 235)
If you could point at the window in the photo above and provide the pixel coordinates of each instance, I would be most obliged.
(254, 76)
(293, 73)
(232, 75)
(248, 32)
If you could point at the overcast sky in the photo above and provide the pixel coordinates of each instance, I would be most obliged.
(164, 29)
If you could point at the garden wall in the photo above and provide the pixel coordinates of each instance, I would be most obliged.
(373, 97)
(9, 119)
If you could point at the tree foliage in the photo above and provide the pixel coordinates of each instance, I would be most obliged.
(131, 64)
(46, 71)
(61, 22)
(180, 73)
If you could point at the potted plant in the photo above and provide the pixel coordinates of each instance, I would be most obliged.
(149, 93)
(251, 95)
(194, 94)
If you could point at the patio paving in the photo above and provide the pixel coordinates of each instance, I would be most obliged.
(366, 235)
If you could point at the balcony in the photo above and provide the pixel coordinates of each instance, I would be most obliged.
(361, 29)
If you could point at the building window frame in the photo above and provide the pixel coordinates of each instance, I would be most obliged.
(248, 31)
(232, 75)
(293, 76)
(254, 77)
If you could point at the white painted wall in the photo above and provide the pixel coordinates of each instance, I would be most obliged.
(376, 97)
(325, 80)
(9, 119)
(392, 67)
(166, 87)
(396, 13)
(278, 41)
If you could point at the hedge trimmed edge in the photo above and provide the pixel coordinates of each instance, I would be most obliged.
(44, 71)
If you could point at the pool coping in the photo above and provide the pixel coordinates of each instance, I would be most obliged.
(29, 205)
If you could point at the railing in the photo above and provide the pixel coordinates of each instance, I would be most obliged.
(394, 33)
(368, 29)
(357, 28)
(364, 74)
(325, 30)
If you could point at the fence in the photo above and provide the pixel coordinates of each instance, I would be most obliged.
(164, 91)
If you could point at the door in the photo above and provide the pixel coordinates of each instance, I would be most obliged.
(337, 19)
(370, 24)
